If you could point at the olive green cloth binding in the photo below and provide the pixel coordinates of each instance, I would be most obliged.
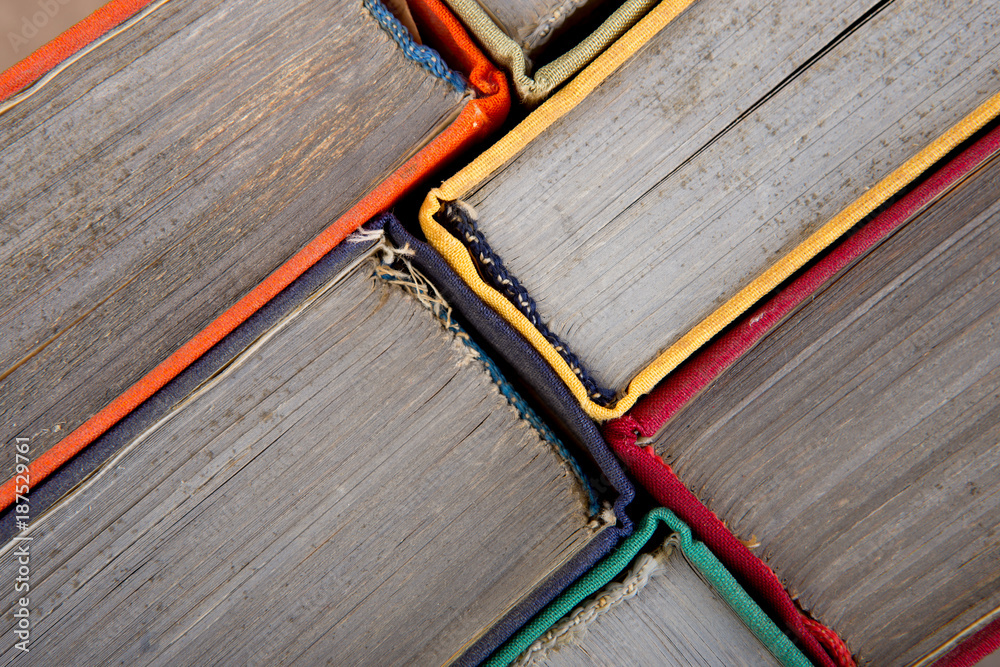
(503, 50)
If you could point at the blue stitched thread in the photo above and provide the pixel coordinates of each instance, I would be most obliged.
(438, 306)
(462, 220)
(424, 56)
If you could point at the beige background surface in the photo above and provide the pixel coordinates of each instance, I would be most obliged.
(25, 25)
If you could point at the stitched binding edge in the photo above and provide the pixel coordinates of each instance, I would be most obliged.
(423, 55)
(462, 219)
(414, 282)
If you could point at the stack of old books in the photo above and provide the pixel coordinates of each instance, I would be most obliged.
(502, 332)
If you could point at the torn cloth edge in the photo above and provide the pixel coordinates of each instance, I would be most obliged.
(538, 375)
(410, 279)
